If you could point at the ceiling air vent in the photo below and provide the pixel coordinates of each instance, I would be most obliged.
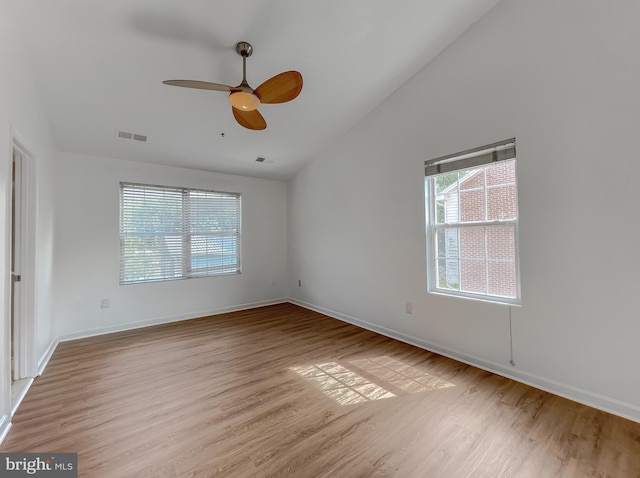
(133, 136)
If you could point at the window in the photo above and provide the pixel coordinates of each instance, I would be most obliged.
(169, 233)
(472, 224)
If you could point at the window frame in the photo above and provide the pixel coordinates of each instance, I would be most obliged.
(185, 236)
(470, 160)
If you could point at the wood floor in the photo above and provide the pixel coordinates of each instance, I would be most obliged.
(281, 391)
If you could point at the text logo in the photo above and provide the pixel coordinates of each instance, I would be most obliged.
(50, 465)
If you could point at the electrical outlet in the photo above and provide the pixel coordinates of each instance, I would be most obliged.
(409, 308)
(105, 303)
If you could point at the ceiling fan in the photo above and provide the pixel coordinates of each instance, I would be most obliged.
(245, 100)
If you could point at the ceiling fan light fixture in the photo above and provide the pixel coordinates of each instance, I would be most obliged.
(244, 101)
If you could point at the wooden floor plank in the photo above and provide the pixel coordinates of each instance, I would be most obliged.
(282, 391)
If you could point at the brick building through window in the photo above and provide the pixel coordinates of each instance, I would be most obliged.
(473, 231)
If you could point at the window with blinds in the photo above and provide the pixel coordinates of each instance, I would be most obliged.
(472, 224)
(169, 233)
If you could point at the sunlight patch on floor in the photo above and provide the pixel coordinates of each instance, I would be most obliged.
(398, 374)
(343, 385)
(369, 379)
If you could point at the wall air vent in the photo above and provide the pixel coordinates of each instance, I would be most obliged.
(133, 136)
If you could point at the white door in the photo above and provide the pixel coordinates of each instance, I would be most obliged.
(16, 257)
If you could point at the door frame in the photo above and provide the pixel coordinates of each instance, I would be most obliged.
(25, 322)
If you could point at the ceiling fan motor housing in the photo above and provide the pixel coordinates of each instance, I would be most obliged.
(244, 49)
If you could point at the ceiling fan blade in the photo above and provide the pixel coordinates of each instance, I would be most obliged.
(249, 119)
(202, 85)
(281, 88)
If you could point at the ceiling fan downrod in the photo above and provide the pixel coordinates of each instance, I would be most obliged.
(245, 50)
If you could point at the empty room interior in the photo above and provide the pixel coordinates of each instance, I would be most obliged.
(408, 247)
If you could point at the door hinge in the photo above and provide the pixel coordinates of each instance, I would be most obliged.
(16, 277)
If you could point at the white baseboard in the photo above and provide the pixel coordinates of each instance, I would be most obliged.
(19, 390)
(46, 356)
(600, 402)
(166, 320)
(5, 426)
(44, 360)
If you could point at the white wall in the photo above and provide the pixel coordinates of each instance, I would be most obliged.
(561, 77)
(88, 248)
(21, 113)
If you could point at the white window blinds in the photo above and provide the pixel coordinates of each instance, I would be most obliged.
(500, 151)
(169, 233)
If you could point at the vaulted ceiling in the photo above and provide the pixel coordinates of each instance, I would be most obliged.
(99, 66)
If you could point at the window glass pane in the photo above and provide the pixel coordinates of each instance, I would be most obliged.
(501, 243)
(503, 172)
(472, 243)
(441, 243)
(151, 258)
(209, 252)
(502, 279)
(447, 249)
(213, 211)
(448, 274)
(472, 205)
(151, 211)
(473, 179)
(501, 202)
(447, 208)
(444, 181)
(440, 211)
(447, 242)
(473, 276)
